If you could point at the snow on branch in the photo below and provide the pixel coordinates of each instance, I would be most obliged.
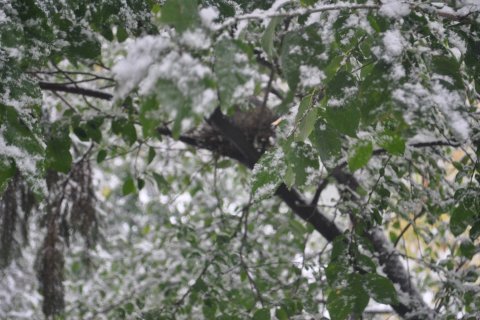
(261, 15)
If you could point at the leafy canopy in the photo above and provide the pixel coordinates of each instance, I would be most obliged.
(128, 128)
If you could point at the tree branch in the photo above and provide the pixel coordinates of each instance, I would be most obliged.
(49, 86)
(295, 13)
(414, 308)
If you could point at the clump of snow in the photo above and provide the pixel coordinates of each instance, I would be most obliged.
(311, 76)
(436, 28)
(394, 9)
(208, 15)
(394, 44)
(456, 42)
(204, 100)
(278, 4)
(447, 101)
(456, 53)
(333, 102)
(3, 17)
(411, 95)
(154, 58)
(327, 20)
(417, 97)
(358, 19)
(398, 72)
(141, 55)
(195, 39)
(25, 162)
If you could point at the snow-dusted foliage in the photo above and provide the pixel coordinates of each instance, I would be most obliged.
(210, 159)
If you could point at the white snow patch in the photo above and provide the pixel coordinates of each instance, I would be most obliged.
(394, 9)
(141, 55)
(208, 15)
(394, 43)
(457, 42)
(311, 76)
(195, 39)
(446, 101)
(398, 72)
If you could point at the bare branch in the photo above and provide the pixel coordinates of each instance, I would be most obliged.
(50, 86)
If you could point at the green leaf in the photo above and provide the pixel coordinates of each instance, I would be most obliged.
(281, 314)
(338, 268)
(474, 232)
(126, 129)
(336, 272)
(461, 218)
(301, 47)
(209, 308)
(93, 129)
(378, 23)
(393, 143)
(333, 66)
(268, 36)
(7, 171)
(122, 34)
(301, 160)
(306, 118)
(102, 154)
(327, 141)
(345, 119)
(151, 155)
(149, 123)
(337, 85)
(289, 60)
(181, 14)
(140, 183)
(374, 92)
(366, 263)
(265, 177)
(182, 113)
(129, 308)
(162, 184)
(128, 186)
(350, 299)
(306, 125)
(289, 177)
(228, 71)
(57, 154)
(467, 249)
(360, 155)
(81, 133)
(450, 67)
(261, 314)
(81, 46)
(380, 288)
(17, 133)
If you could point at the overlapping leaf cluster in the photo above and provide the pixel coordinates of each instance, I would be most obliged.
(375, 105)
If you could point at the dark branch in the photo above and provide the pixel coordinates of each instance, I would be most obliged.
(75, 90)
(321, 186)
(414, 308)
(309, 213)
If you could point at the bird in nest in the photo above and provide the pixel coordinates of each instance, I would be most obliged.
(256, 122)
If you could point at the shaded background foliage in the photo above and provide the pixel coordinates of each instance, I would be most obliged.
(128, 129)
